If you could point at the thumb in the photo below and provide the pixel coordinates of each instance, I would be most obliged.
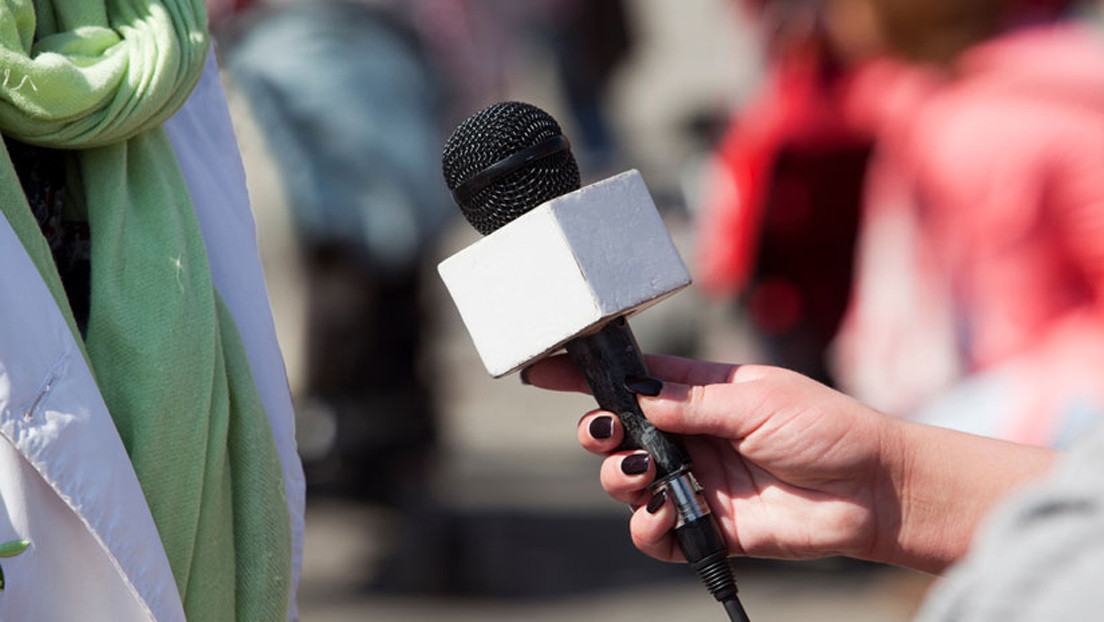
(727, 410)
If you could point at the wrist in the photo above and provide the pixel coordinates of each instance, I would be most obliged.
(939, 485)
(891, 487)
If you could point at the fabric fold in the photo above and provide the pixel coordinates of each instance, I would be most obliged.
(98, 79)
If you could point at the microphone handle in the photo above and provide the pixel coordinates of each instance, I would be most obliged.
(606, 358)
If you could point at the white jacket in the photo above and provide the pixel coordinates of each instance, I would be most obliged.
(66, 483)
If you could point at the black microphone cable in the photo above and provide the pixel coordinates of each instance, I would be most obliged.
(735, 610)
(502, 162)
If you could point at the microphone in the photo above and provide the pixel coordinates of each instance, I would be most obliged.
(562, 266)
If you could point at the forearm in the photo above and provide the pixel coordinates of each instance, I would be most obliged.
(943, 483)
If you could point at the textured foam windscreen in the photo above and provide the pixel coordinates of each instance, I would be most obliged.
(488, 137)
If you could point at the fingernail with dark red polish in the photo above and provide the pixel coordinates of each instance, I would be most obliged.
(644, 385)
(524, 375)
(635, 464)
(658, 499)
(601, 427)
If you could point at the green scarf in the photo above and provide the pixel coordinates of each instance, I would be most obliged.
(98, 78)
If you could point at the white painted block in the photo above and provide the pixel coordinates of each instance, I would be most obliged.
(562, 269)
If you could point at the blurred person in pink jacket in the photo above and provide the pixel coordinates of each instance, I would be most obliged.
(974, 302)
(980, 266)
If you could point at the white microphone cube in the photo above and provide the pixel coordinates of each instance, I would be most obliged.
(563, 269)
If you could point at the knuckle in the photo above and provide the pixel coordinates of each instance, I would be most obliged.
(697, 399)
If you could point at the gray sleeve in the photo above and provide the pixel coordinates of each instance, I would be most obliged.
(1040, 556)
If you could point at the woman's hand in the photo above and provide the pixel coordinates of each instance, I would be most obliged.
(793, 469)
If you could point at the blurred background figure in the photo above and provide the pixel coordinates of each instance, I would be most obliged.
(778, 227)
(978, 296)
(588, 41)
(350, 105)
(481, 45)
(975, 296)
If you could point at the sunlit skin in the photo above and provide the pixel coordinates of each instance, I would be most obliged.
(795, 470)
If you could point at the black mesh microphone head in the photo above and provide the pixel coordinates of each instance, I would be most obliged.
(534, 161)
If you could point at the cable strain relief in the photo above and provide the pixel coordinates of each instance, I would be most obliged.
(715, 572)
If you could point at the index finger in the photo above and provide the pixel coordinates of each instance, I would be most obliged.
(559, 372)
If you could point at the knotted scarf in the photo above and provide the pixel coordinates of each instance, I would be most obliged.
(96, 79)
